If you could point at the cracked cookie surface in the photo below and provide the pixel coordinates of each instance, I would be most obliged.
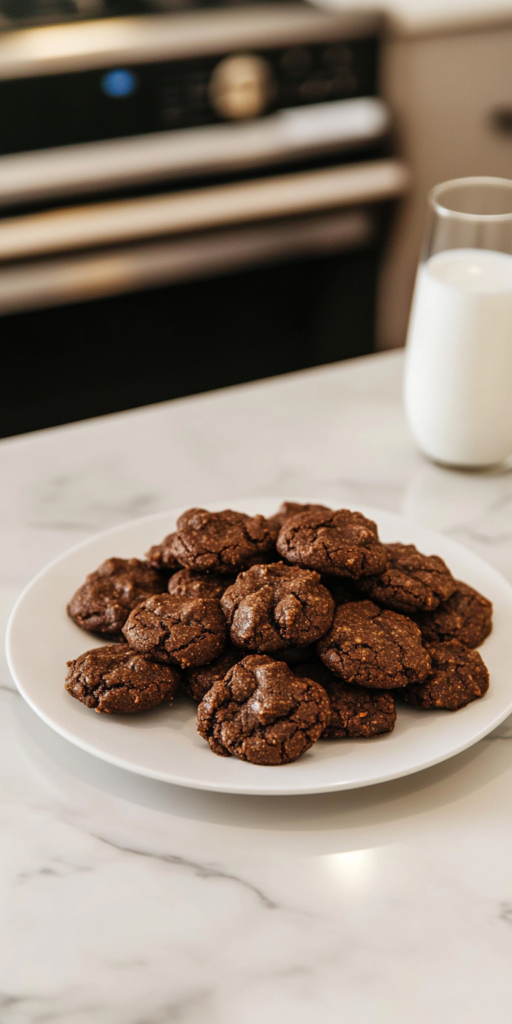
(411, 581)
(466, 616)
(341, 543)
(277, 606)
(374, 647)
(178, 630)
(117, 680)
(261, 712)
(356, 711)
(222, 542)
(458, 677)
(102, 604)
(189, 583)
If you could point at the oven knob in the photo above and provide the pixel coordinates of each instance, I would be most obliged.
(241, 86)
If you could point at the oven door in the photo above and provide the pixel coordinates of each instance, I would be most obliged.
(133, 301)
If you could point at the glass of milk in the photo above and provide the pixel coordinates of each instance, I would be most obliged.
(458, 378)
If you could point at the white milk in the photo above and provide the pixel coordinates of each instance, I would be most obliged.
(458, 381)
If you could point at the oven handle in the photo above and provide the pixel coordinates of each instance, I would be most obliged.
(129, 220)
(38, 284)
(291, 134)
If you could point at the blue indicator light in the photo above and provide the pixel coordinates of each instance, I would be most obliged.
(119, 83)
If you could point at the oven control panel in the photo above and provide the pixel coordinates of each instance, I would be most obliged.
(120, 92)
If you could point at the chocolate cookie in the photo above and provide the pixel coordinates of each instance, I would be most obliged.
(102, 604)
(117, 680)
(179, 630)
(261, 712)
(355, 710)
(188, 583)
(292, 508)
(340, 543)
(411, 581)
(161, 555)
(273, 606)
(374, 648)
(458, 676)
(224, 542)
(466, 616)
(201, 679)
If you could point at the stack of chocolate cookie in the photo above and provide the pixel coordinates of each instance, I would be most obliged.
(285, 630)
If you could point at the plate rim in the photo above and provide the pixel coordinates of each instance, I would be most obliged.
(233, 788)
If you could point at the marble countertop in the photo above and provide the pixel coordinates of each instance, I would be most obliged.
(127, 901)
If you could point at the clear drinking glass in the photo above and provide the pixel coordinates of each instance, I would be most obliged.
(458, 378)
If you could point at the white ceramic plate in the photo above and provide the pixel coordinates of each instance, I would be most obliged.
(163, 743)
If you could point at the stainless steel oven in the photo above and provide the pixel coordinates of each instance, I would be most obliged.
(190, 198)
